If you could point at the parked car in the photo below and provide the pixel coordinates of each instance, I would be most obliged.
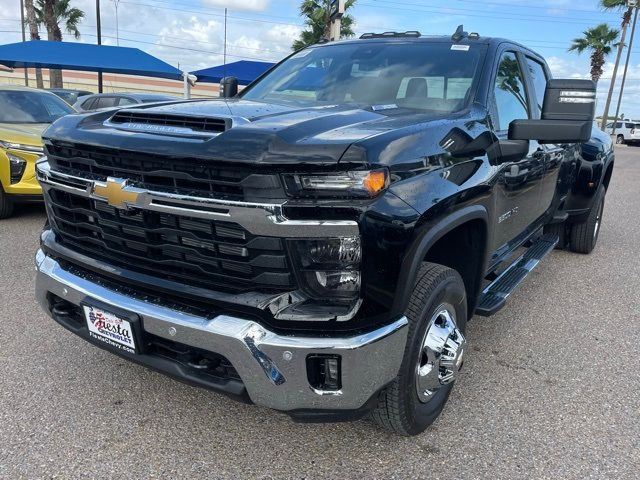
(317, 243)
(70, 95)
(24, 114)
(100, 101)
(627, 132)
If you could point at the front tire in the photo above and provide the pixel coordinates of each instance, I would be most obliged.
(433, 355)
(6, 205)
(620, 139)
(584, 236)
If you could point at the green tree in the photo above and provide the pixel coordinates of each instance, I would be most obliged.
(52, 14)
(599, 41)
(626, 20)
(318, 22)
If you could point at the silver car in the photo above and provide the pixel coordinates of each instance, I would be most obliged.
(100, 101)
(627, 132)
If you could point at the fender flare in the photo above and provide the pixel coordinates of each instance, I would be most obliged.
(426, 237)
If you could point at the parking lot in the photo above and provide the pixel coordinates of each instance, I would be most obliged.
(550, 387)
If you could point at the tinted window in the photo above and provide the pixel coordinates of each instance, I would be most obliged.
(429, 77)
(510, 95)
(539, 80)
(88, 103)
(31, 107)
(105, 102)
(126, 101)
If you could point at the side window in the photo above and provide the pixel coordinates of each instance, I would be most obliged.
(88, 104)
(126, 101)
(509, 91)
(105, 102)
(539, 80)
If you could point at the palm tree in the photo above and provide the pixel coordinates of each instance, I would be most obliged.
(626, 19)
(600, 41)
(52, 13)
(34, 35)
(319, 23)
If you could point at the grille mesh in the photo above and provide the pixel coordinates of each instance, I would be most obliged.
(204, 253)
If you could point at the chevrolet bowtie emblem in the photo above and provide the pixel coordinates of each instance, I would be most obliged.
(116, 192)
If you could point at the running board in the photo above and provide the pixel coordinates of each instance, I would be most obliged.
(494, 297)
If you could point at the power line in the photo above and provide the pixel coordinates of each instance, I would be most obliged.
(512, 6)
(463, 12)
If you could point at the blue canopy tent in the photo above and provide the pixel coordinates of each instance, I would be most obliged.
(245, 71)
(86, 57)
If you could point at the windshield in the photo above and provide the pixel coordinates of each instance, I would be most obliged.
(416, 75)
(31, 107)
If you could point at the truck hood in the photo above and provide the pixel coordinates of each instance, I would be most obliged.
(261, 133)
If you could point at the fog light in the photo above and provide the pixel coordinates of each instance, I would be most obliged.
(323, 372)
(16, 167)
(339, 281)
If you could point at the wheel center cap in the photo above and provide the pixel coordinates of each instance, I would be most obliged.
(442, 354)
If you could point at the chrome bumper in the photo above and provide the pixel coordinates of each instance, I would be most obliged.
(272, 367)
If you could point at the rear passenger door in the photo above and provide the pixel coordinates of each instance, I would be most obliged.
(517, 195)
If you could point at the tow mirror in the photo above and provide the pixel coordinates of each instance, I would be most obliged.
(567, 114)
(228, 87)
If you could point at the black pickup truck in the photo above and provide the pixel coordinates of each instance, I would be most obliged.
(317, 243)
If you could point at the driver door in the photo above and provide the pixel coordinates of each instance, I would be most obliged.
(518, 182)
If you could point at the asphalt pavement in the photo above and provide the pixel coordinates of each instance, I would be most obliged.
(550, 387)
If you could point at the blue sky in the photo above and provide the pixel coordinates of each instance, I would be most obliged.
(190, 33)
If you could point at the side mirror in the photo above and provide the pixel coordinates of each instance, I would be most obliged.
(567, 114)
(228, 87)
(507, 151)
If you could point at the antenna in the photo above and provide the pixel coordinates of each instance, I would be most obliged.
(459, 35)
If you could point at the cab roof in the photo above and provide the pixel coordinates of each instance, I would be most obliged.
(413, 36)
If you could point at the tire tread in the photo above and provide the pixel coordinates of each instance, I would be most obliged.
(390, 413)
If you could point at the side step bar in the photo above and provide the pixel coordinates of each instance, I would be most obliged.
(494, 297)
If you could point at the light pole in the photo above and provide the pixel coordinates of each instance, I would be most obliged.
(336, 12)
(116, 3)
(24, 38)
(99, 35)
(631, 4)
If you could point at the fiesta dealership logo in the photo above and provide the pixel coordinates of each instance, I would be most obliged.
(113, 327)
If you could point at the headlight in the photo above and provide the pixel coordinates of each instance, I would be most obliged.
(20, 146)
(368, 183)
(16, 167)
(329, 269)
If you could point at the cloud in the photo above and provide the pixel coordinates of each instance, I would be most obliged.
(250, 5)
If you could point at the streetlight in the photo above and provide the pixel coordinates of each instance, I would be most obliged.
(99, 35)
(630, 4)
(116, 3)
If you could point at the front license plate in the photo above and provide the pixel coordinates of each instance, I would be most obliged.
(109, 328)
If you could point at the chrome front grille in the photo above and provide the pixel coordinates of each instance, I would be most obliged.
(207, 253)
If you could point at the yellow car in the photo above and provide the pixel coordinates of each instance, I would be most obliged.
(24, 114)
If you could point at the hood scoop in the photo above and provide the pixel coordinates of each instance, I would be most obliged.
(169, 124)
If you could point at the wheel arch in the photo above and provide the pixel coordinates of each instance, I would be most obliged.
(432, 243)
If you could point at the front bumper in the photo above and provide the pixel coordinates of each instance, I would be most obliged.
(272, 367)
